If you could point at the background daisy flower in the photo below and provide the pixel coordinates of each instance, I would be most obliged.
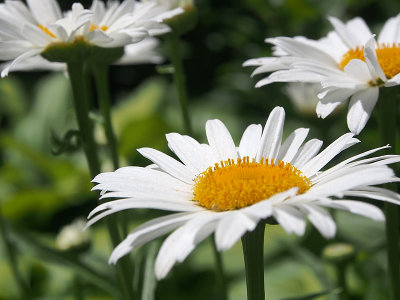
(227, 190)
(348, 63)
(29, 30)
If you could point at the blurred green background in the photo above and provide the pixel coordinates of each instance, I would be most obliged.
(41, 192)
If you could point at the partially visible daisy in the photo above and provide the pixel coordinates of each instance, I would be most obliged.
(142, 52)
(28, 31)
(348, 63)
(227, 190)
(73, 236)
(303, 96)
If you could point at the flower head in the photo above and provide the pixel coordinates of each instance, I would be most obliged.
(227, 190)
(348, 63)
(33, 29)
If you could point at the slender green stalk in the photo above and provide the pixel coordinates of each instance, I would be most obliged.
(80, 99)
(12, 259)
(253, 253)
(221, 278)
(100, 73)
(80, 93)
(179, 78)
(341, 278)
(387, 108)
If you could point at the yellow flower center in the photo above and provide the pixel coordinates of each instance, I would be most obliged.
(388, 58)
(94, 27)
(232, 185)
(46, 30)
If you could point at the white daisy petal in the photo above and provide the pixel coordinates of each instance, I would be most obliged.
(272, 135)
(372, 60)
(357, 207)
(45, 11)
(232, 227)
(391, 31)
(220, 140)
(148, 232)
(321, 219)
(360, 107)
(347, 36)
(182, 241)
(357, 176)
(250, 141)
(319, 161)
(189, 153)
(168, 164)
(306, 153)
(292, 144)
(290, 219)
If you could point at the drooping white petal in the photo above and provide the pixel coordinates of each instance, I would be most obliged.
(360, 107)
(232, 227)
(220, 140)
(325, 109)
(148, 232)
(19, 59)
(292, 144)
(264, 209)
(290, 219)
(359, 71)
(250, 141)
(182, 241)
(320, 218)
(272, 135)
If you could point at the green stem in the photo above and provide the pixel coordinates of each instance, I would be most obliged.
(100, 73)
(80, 99)
(221, 278)
(341, 278)
(387, 109)
(81, 104)
(179, 79)
(11, 255)
(253, 253)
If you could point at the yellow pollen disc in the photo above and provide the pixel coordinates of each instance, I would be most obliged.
(94, 27)
(388, 58)
(232, 185)
(46, 30)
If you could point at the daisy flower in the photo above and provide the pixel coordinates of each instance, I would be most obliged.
(348, 62)
(227, 190)
(142, 52)
(29, 30)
